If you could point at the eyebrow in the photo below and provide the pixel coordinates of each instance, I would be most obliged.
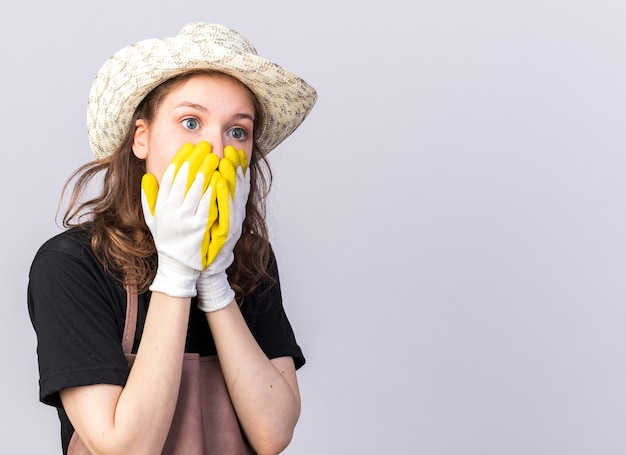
(200, 107)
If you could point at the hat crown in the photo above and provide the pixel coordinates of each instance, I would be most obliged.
(204, 34)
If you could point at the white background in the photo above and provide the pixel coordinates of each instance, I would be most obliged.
(449, 221)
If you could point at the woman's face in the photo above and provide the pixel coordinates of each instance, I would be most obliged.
(208, 107)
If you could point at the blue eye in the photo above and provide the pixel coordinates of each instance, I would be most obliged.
(238, 134)
(191, 123)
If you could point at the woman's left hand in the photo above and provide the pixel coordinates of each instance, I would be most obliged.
(214, 291)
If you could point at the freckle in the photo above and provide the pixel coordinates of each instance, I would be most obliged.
(271, 386)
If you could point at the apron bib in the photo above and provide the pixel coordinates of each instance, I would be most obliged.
(204, 421)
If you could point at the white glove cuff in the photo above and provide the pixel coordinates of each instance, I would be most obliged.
(174, 279)
(214, 292)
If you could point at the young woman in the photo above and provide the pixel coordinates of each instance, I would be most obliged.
(193, 117)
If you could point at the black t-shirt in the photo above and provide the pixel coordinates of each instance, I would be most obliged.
(78, 313)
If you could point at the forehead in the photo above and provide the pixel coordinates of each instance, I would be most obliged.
(213, 86)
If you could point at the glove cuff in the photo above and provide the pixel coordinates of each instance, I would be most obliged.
(214, 292)
(174, 279)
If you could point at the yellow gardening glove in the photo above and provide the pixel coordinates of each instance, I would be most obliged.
(214, 291)
(179, 214)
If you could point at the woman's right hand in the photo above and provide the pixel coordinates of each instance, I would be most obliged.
(180, 212)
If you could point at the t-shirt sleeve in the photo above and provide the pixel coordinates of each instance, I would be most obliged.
(75, 312)
(268, 320)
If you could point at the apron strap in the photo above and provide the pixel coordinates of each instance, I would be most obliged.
(130, 324)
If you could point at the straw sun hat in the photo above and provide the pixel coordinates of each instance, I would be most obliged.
(129, 75)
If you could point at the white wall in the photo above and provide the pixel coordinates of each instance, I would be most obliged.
(449, 220)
